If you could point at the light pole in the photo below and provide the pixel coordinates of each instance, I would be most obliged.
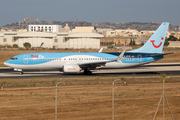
(113, 98)
(164, 98)
(56, 100)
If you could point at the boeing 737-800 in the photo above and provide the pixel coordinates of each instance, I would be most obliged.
(77, 62)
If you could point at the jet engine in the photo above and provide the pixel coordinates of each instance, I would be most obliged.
(71, 69)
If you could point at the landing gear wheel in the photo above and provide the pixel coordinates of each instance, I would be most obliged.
(21, 73)
(87, 72)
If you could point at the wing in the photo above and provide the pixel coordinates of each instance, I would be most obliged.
(101, 63)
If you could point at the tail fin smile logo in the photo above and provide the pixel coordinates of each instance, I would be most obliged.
(156, 46)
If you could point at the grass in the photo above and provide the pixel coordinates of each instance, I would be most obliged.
(46, 82)
(137, 100)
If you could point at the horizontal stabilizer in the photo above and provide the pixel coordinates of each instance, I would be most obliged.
(161, 54)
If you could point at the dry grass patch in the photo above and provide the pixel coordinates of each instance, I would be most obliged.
(87, 98)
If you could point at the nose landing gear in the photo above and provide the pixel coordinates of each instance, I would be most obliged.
(21, 73)
(18, 70)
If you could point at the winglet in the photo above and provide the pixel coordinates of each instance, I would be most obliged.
(121, 55)
(101, 49)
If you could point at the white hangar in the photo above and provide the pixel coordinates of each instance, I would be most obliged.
(52, 40)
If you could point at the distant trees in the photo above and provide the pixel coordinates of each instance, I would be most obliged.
(172, 38)
(142, 43)
(132, 42)
(166, 43)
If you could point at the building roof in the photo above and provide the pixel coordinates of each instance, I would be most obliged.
(85, 35)
(35, 34)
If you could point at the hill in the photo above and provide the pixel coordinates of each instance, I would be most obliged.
(132, 25)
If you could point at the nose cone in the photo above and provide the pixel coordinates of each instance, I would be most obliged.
(7, 63)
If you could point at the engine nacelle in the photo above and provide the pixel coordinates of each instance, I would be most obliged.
(71, 69)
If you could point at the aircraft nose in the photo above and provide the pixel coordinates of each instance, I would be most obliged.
(6, 62)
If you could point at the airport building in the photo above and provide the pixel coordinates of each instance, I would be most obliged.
(45, 28)
(52, 40)
(84, 29)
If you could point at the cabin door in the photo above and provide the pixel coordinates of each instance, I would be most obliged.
(25, 59)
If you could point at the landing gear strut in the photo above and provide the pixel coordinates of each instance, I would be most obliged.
(87, 72)
(21, 73)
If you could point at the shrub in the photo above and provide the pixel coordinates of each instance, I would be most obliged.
(27, 45)
(8, 46)
(15, 46)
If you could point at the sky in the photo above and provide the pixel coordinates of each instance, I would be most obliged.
(114, 11)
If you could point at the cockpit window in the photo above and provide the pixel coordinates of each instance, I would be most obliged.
(14, 58)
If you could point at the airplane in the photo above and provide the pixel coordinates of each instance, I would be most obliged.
(87, 61)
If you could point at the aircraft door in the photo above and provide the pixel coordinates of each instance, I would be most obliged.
(139, 58)
(25, 59)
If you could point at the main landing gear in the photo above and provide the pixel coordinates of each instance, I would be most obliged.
(87, 72)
